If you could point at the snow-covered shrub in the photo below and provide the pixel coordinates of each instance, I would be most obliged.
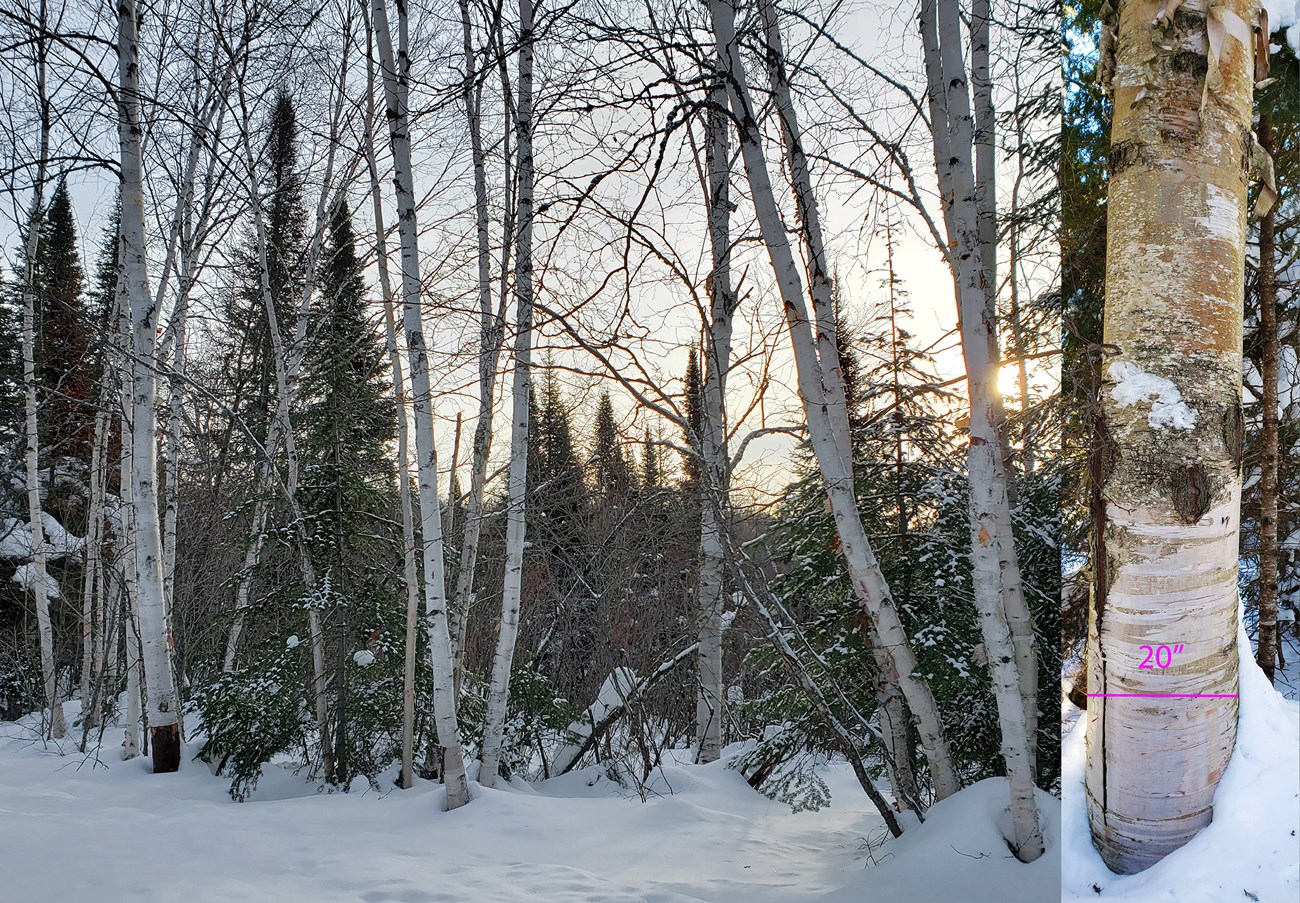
(251, 715)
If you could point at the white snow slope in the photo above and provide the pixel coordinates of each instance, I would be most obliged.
(71, 830)
(1250, 852)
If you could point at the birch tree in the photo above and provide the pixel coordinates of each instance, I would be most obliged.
(715, 467)
(821, 390)
(521, 389)
(1166, 562)
(163, 708)
(999, 594)
(38, 578)
(395, 69)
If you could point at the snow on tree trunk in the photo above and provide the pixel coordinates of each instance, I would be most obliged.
(512, 582)
(162, 707)
(1166, 574)
(38, 578)
(396, 77)
(995, 573)
(828, 440)
(715, 468)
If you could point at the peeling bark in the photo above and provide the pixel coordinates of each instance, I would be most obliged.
(1174, 287)
(512, 582)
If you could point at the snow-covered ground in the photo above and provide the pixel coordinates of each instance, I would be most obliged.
(73, 830)
(1250, 852)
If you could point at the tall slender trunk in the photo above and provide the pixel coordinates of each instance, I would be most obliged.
(163, 707)
(410, 576)
(491, 333)
(396, 77)
(995, 577)
(1171, 399)
(512, 582)
(91, 638)
(38, 579)
(715, 469)
(829, 442)
(1266, 651)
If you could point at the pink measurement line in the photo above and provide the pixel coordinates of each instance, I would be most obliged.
(1171, 695)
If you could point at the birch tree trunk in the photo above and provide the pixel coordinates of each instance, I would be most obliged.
(410, 576)
(38, 578)
(715, 467)
(995, 572)
(491, 332)
(829, 442)
(396, 77)
(1266, 652)
(512, 582)
(1166, 574)
(162, 708)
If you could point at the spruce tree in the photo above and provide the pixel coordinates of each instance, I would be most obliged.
(613, 476)
(63, 337)
(284, 220)
(347, 492)
(694, 412)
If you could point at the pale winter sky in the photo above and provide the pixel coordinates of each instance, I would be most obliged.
(664, 319)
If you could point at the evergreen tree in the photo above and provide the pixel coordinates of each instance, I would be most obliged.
(693, 408)
(284, 221)
(613, 475)
(348, 490)
(64, 356)
(652, 475)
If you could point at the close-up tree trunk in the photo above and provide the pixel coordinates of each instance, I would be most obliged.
(1159, 738)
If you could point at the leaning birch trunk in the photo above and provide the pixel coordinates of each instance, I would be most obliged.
(868, 582)
(491, 331)
(38, 576)
(410, 577)
(129, 617)
(396, 81)
(715, 467)
(1266, 654)
(995, 572)
(512, 582)
(1171, 399)
(162, 706)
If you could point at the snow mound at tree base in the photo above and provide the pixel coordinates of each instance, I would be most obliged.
(959, 855)
(1247, 853)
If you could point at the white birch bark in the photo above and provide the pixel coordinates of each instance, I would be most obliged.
(715, 467)
(396, 78)
(1166, 568)
(994, 568)
(829, 442)
(162, 705)
(491, 332)
(512, 582)
(39, 578)
(984, 139)
(410, 576)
